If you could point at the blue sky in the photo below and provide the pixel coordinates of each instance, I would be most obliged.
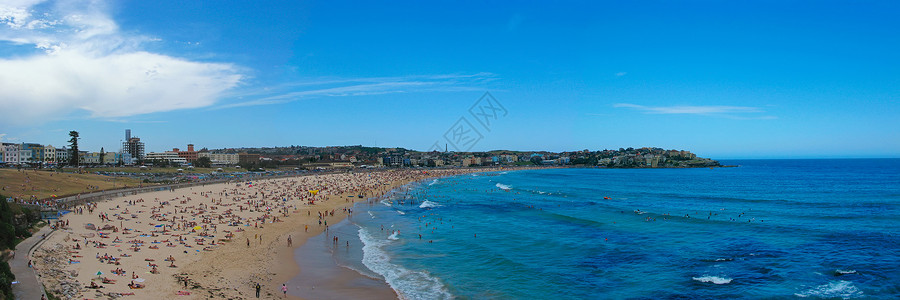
(725, 79)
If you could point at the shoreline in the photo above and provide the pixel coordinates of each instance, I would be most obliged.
(292, 272)
(210, 266)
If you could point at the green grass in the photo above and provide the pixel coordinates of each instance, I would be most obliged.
(46, 183)
(156, 170)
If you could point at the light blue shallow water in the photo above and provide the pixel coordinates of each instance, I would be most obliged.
(767, 229)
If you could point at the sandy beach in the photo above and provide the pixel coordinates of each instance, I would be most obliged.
(214, 241)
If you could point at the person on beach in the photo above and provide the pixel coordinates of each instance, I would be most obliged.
(258, 287)
(290, 242)
(284, 289)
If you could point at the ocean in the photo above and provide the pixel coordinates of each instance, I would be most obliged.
(766, 229)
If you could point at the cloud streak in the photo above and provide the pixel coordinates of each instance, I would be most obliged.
(331, 87)
(82, 64)
(736, 112)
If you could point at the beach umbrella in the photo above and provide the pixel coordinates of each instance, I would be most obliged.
(139, 279)
(198, 228)
(99, 273)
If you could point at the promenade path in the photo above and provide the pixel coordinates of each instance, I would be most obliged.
(28, 288)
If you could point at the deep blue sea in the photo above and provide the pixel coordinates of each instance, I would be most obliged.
(766, 229)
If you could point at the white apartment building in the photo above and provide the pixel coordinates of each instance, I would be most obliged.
(49, 154)
(11, 153)
(62, 155)
(169, 156)
(221, 158)
(25, 156)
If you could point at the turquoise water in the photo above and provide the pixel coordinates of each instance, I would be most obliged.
(766, 229)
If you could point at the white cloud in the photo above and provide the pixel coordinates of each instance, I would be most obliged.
(88, 65)
(737, 112)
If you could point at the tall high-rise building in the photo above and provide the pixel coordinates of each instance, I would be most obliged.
(132, 147)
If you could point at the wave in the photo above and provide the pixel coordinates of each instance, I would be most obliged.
(503, 186)
(409, 284)
(433, 182)
(835, 289)
(394, 235)
(713, 279)
(400, 212)
(428, 204)
(370, 214)
(386, 202)
(840, 272)
(717, 259)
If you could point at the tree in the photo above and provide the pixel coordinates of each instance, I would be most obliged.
(203, 162)
(6, 279)
(7, 240)
(73, 144)
(102, 155)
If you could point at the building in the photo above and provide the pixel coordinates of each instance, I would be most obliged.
(508, 158)
(24, 154)
(34, 153)
(190, 155)
(168, 156)
(62, 155)
(435, 162)
(132, 147)
(393, 160)
(228, 159)
(471, 161)
(248, 158)
(11, 153)
(89, 158)
(49, 154)
(112, 158)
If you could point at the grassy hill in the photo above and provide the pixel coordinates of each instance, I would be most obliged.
(44, 184)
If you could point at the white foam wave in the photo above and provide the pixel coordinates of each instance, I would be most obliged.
(394, 235)
(428, 204)
(503, 186)
(835, 289)
(433, 182)
(844, 272)
(400, 212)
(370, 214)
(409, 284)
(386, 202)
(713, 279)
(724, 259)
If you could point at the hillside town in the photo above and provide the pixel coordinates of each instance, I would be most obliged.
(132, 153)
